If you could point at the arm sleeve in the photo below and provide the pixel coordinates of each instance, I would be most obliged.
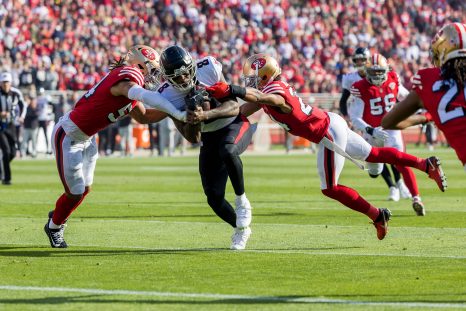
(343, 102)
(356, 111)
(155, 100)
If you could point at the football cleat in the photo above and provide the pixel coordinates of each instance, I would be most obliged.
(55, 235)
(394, 194)
(418, 206)
(435, 172)
(404, 191)
(239, 238)
(381, 223)
(243, 213)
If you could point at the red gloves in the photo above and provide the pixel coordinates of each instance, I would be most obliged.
(219, 90)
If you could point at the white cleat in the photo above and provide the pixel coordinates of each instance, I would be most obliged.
(243, 213)
(240, 238)
(404, 191)
(394, 194)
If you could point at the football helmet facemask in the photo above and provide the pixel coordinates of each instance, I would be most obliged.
(259, 70)
(377, 69)
(178, 68)
(448, 43)
(360, 58)
(147, 60)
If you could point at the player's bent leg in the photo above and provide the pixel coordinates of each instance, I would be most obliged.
(393, 156)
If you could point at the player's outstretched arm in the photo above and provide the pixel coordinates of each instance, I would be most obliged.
(146, 115)
(248, 109)
(222, 90)
(154, 100)
(401, 116)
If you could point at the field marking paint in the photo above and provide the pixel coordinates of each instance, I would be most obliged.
(256, 299)
(271, 251)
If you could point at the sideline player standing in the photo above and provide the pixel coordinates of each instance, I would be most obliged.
(360, 59)
(74, 143)
(374, 96)
(336, 141)
(441, 90)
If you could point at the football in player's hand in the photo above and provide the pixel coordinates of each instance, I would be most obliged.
(198, 98)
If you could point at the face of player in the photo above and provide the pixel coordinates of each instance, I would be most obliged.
(6, 86)
(183, 79)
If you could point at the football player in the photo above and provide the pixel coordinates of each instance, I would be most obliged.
(374, 96)
(441, 90)
(360, 59)
(74, 142)
(336, 141)
(223, 132)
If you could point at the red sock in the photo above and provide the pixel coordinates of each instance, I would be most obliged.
(351, 198)
(393, 156)
(409, 179)
(64, 207)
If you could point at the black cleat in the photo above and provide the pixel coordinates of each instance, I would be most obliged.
(55, 235)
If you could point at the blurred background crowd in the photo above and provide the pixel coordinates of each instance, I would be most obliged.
(67, 44)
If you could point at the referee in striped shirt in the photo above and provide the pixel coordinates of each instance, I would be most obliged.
(11, 104)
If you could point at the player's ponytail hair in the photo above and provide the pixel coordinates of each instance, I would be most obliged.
(118, 62)
(455, 69)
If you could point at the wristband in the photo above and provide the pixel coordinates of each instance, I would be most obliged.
(237, 91)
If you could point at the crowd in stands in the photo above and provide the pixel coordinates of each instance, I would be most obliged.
(68, 44)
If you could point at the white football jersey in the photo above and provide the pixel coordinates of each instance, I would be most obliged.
(208, 72)
(350, 78)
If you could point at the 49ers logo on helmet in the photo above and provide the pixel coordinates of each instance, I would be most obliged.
(258, 63)
(148, 54)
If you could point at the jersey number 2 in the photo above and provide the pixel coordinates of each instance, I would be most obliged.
(446, 100)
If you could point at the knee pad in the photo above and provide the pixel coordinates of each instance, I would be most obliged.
(374, 169)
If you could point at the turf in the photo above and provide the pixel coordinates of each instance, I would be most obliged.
(145, 239)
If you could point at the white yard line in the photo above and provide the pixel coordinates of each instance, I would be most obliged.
(255, 299)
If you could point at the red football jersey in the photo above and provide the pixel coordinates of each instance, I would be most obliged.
(304, 120)
(378, 100)
(446, 102)
(98, 107)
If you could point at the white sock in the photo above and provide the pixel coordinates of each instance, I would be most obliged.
(52, 225)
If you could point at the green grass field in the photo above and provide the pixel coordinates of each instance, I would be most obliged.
(145, 239)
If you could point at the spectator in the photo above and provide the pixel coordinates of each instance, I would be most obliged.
(73, 41)
(31, 128)
(125, 130)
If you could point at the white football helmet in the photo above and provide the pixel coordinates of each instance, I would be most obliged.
(147, 60)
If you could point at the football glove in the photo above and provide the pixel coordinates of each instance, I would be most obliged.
(222, 90)
(377, 133)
